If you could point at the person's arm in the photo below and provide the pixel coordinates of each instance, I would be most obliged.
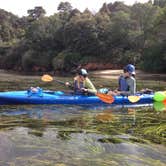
(89, 86)
(76, 85)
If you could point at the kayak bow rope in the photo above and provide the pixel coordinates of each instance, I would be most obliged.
(104, 97)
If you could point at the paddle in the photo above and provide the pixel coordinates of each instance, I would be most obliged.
(48, 78)
(104, 97)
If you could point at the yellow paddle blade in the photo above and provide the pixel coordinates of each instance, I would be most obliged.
(105, 98)
(134, 99)
(46, 78)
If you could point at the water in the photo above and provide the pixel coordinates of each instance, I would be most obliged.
(63, 135)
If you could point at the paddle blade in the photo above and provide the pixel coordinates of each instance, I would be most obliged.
(46, 78)
(133, 99)
(105, 98)
(164, 102)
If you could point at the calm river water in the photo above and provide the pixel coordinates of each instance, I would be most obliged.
(91, 135)
(63, 135)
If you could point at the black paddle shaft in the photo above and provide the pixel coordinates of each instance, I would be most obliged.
(63, 83)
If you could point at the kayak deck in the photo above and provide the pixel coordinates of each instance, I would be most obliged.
(59, 97)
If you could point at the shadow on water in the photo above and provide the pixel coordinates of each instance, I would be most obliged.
(63, 135)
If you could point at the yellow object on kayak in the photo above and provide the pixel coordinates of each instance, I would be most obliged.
(159, 96)
(134, 99)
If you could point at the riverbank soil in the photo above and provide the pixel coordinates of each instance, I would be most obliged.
(100, 78)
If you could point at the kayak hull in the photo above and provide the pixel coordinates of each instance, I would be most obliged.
(22, 97)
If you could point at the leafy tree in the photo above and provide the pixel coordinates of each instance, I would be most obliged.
(38, 34)
(118, 6)
(102, 20)
(154, 58)
(160, 3)
(32, 59)
(80, 34)
(143, 16)
(105, 10)
(10, 29)
(119, 29)
(118, 34)
(36, 13)
(65, 7)
(159, 30)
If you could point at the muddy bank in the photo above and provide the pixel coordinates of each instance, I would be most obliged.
(114, 74)
(107, 74)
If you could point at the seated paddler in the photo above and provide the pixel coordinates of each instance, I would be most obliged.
(82, 84)
(127, 82)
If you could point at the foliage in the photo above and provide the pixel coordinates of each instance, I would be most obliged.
(154, 59)
(36, 13)
(117, 33)
(66, 61)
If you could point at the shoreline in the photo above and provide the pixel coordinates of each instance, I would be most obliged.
(106, 74)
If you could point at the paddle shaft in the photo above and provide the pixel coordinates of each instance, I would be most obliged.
(63, 83)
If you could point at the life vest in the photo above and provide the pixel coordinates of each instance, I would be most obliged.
(123, 86)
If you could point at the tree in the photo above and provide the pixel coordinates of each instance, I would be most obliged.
(10, 29)
(80, 34)
(160, 3)
(160, 26)
(104, 9)
(65, 10)
(118, 6)
(143, 16)
(64, 7)
(36, 13)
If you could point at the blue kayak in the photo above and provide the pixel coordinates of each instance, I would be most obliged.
(59, 97)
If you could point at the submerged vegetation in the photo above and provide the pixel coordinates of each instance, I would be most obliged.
(143, 124)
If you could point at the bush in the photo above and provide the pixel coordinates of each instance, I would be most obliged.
(33, 61)
(154, 59)
(27, 60)
(66, 61)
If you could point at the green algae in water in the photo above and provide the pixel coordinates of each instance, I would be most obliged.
(110, 140)
(82, 140)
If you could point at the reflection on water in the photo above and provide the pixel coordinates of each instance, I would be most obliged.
(62, 135)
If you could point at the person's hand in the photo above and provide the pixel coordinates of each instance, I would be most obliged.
(84, 89)
(117, 92)
(67, 84)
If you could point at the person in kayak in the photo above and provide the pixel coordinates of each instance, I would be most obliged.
(127, 82)
(82, 84)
